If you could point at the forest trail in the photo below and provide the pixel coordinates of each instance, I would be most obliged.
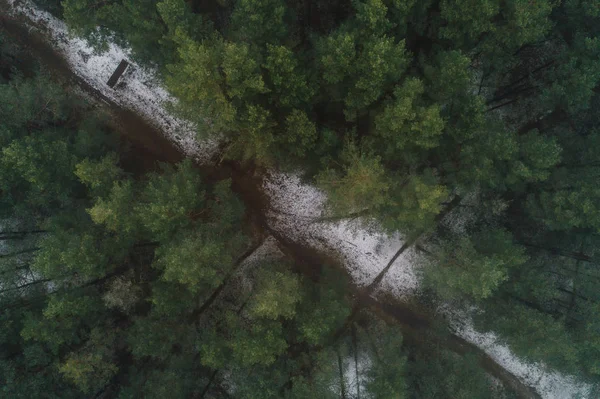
(157, 147)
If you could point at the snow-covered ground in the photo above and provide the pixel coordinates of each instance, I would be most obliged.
(137, 90)
(296, 210)
(548, 383)
(354, 384)
(297, 206)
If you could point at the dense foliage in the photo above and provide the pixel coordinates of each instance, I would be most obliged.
(400, 107)
(117, 283)
(486, 112)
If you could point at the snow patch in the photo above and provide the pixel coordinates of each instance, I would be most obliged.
(138, 88)
(298, 211)
(549, 384)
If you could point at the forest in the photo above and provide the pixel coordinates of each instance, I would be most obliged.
(470, 127)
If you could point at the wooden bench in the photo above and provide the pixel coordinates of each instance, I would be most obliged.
(117, 73)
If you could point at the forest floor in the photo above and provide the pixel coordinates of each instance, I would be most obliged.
(282, 205)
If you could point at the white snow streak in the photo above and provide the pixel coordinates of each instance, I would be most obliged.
(138, 88)
(296, 209)
(549, 384)
(297, 206)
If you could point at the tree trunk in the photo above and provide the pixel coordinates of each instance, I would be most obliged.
(371, 287)
(45, 280)
(23, 232)
(207, 387)
(341, 371)
(511, 93)
(527, 75)
(14, 270)
(560, 252)
(574, 293)
(354, 348)
(25, 251)
(502, 105)
(226, 280)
